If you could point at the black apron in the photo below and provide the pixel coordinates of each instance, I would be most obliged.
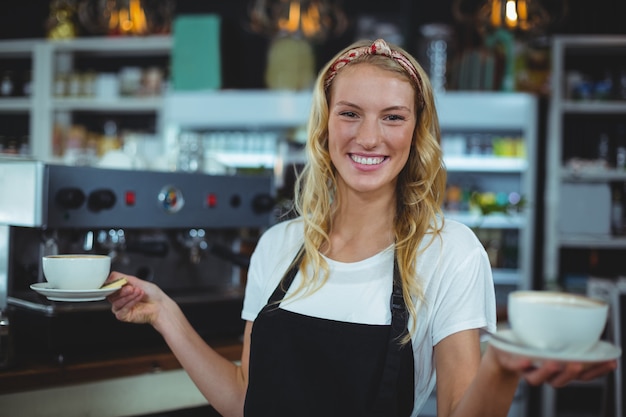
(307, 366)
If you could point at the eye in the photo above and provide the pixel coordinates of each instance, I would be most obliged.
(394, 117)
(348, 114)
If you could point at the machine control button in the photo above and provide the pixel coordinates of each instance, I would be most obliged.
(211, 200)
(262, 203)
(130, 198)
(70, 197)
(102, 199)
(235, 201)
(171, 199)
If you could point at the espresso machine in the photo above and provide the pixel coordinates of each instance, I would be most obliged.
(189, 233)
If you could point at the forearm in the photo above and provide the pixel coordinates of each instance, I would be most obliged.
(220, 380)
(491, 392)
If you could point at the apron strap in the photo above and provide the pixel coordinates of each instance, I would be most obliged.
(399, 328)
(281, 289)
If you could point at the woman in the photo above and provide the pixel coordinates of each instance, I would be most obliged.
(321, 335)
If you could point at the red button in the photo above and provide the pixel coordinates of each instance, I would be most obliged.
(211, 200)
(130, 198)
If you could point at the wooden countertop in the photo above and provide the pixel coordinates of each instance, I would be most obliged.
(35, 372)
(42, 371)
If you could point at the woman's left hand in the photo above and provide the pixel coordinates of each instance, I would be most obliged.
(553, 372)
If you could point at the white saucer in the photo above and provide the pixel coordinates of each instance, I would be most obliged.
(600, 352)
(54, 294)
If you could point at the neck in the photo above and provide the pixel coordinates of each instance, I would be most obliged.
(361, 227)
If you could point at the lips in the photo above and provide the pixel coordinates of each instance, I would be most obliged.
(367, 160)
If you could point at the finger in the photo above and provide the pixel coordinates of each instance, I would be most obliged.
(594, 371)
(113, 276)
(125, 295)
(542, 372)
(569, 372)
(125, 303)
(122, 309)
(509, 361)
(121, 293)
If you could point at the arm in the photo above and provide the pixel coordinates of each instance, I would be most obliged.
(467, 386)
(222, 382)
(471, 386)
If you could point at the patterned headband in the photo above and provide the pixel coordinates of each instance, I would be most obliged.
(379, 47)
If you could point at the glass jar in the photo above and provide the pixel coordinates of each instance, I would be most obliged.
(190, 152)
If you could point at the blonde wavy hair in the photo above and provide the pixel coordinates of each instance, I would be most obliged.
(420, 185)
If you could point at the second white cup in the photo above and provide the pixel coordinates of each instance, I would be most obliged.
(556, 321)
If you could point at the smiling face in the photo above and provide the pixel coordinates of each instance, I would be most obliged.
(370, 127)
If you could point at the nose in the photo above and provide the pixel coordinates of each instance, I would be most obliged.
(369, 134)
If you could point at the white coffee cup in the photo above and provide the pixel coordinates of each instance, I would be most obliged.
(76, 271)
(556, 321)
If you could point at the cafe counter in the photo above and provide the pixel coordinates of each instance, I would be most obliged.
(129, 383)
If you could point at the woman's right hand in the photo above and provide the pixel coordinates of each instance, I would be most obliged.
(138, 301)
(552, 372)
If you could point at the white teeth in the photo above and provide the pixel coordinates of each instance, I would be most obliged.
(367, 161)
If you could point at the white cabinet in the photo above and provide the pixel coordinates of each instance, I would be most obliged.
(585, 183)
(582, 121)
(230, 114)
(489, 142)
(51, 61)
(240, 128)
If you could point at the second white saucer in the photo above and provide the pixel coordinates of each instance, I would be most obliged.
(600, 352)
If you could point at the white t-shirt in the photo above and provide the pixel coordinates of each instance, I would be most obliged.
(456, 278)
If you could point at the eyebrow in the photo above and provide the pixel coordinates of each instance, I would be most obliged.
(390, 108)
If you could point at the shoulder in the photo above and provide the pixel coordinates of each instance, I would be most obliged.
(454, 247)
(454, 236)
(456, 233)
(280, 241)
(287, 231)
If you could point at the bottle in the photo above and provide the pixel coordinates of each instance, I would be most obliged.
(5, 341)
(190, 152)
(603, 149)
(616, 212)
(60, 84)
(620, 147)
(110, 139)
(6, 84)
(623, 204)
(27, 84)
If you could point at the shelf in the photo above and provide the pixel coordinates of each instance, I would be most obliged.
(598, 44)
(592, 175)
(599, 241)
(125, 104)
(485, 164)
(116, 46)
(505, 111)
(20, 48)
(17, 105)
(594, 107)
(490, 221)
(45, 55)
(237, 109)
(16, 49)
(245, 160)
